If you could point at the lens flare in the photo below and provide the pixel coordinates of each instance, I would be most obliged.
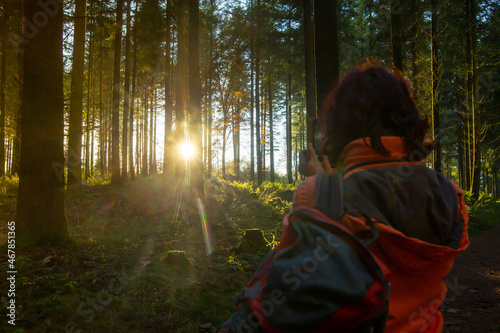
(204, 226)
(187, 149)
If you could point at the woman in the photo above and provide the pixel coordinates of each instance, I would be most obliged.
(374, 136)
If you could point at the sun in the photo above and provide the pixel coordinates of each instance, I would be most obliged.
(187, 149)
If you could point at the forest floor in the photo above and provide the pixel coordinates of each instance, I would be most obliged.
(125, 274)
(473, 299)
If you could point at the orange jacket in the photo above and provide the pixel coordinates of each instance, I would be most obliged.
(427, 227)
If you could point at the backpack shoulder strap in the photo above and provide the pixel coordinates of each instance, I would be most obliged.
(330, 195)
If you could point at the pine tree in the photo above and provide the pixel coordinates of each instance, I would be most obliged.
(40, 215)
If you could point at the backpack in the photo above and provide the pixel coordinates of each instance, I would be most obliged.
(320, 278)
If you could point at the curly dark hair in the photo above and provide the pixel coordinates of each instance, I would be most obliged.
(371, 101)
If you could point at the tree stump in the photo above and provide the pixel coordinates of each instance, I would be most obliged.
(253, 241)
(177, 258)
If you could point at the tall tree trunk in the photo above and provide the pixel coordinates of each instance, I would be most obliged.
(224, 132)
(154, 139)
(326, 47)
(209, 129)
(486, 177)
(132, 105)
(16, 144)
(252, 139)
(40, 215)
(145, 136)
(9, 156)
(495, 182)
(151, 136)
(195, 95)
(140, 129)
(289, 129)
(210, 90)
(263, 133)
(475, 104)
(76, 100)
(415, 12)
(257, 100)
(436, 126)
(92, 136)
(233, 126)
(396, 38)
(310, 72)
(115, 172)
(89, 104)
(102, 122)
(168, 95)
(110, 135)
(468, 97)
(238, 141)
(271, 129)
(103, 140)
(180, 134)
(3, 67)
(126, 97)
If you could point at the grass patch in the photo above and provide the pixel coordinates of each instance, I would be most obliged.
(484, 213)
(120, 277)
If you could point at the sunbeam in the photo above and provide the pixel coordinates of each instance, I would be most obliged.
(204, 226)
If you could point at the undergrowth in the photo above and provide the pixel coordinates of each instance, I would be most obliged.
(120, 277)
(484, 213)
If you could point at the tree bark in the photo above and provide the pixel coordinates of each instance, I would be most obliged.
(326, 47)
(16, 144)
(310, 74)
(153, 139)
(89, 109)
(180, 134)
(126, 97)
(109, 133)
(145, 136)
(168, 95)
(252, 139)
(115, 172)
(132, 106)
(210, 91)
(3, 67)
(102, 122)
(271, 129)
(468, 98)
(289, 129)
(151, 131)
(257, 101)
(238, 140)
(92, 137)
(195, 96)
(476, 123)
(415, 12)
(224, 132)
(495, 182)
(40, 217)
(396, 38)
(434, 99)
(74, 158)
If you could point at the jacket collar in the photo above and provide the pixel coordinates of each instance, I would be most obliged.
(360, 151)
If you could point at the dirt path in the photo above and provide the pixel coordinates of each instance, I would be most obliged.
(473, 300)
